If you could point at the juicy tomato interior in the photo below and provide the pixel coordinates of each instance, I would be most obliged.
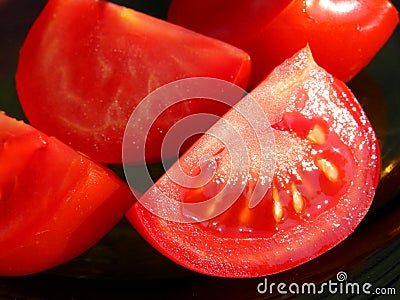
(325, 174)
(85, 65)
(55, 203)
(300, 191)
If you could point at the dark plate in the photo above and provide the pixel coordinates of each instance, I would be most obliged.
(123, 266)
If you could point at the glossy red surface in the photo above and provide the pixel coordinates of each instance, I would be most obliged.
(123, 266)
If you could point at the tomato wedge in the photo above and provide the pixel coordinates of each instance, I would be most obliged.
(54, 202)
(323, 182)
(86, 64)
(343, 35)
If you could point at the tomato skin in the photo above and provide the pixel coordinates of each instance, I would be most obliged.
(54, 202)
(234, 23)
(297, 87)
(343, 35)
(86, 64)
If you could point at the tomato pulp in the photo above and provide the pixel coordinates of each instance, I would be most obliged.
(55, 203)
(85, 65)
(321, 186)
(343, 35)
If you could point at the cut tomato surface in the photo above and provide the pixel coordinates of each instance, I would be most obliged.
(86, 64)
(315, 194)
(343, 35)
(55, 203)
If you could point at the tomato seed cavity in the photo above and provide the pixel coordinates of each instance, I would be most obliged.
(299, 192)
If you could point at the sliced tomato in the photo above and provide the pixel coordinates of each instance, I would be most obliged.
(326, 172)
(343, 35)
(85, 65)
(54, 202)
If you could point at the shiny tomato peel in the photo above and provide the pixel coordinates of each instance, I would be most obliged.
(343, 35)
(55, 203)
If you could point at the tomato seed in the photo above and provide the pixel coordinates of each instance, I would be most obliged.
(277, 207)
(298, 202)
(317, 135)
(328, 168)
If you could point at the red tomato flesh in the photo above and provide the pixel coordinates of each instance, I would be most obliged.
(326, 172)
(54, 202)
(343, 35)
(86, 64)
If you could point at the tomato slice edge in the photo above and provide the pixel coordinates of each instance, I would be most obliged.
(199, 249)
